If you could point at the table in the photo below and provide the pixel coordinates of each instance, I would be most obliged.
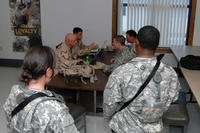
(192, 76)
(181, 51)
(58, 82)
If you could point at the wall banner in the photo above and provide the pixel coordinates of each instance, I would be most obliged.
(25, 24)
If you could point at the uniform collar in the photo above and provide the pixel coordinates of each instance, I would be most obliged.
(143, 58)
(141, 63)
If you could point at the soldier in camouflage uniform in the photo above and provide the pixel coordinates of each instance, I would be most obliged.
(66, 57)
(80, 48)
(144, 114)
(43, 114)
(130, 38)
(123, 54)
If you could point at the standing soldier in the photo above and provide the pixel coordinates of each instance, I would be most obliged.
(122, 56)
(144, 113)
(30, 108)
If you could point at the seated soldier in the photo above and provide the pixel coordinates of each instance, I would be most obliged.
(130, 39)
(122, 56)
(144, 113)
(80, 48)
(64, 53)
(67, 62)
(131, 36)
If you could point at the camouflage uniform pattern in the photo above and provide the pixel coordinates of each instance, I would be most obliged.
(144, 114)
(80, 44)
(66, 58)
(42, 115)
(66, 55)
(131, 46)
(67, 64)
(121, 57)
(80, 49)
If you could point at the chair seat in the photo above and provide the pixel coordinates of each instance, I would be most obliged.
(176, 115)
(76, 110)
(78, 113)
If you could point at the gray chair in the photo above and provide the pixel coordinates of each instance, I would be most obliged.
(177, 114)
(78, 113)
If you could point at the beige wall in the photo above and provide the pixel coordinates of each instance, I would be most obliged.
(196, 39)
(58, 18)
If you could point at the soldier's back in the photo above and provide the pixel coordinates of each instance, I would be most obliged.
(145, 112)
(42, 115)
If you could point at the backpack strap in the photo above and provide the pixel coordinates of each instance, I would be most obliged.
(159, 57)
(27, 101)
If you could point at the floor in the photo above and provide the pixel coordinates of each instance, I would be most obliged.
(10, 76)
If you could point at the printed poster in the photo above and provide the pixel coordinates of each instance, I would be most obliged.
(25, 24)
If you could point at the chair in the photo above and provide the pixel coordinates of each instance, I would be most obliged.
(58, 45)
(78, 113)
(177, 114)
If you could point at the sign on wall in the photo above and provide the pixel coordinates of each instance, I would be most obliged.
(25, 24)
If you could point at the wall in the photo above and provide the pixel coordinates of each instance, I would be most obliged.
(58, 17)
(196, 39)
(94, 16)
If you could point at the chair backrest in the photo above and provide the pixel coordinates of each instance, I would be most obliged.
(58, 45)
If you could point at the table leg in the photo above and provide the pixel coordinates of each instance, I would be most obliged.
(95, 100)
(77, 96)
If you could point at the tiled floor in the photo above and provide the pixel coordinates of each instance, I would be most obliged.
(9, 76)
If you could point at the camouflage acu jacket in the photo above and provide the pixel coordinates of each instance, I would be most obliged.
(81, 45)
(64, 54)
(80, 49)
(65, 59)
(42, 115)
(144, 114)
(121, 57)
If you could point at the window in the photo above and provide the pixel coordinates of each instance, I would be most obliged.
(169, 16)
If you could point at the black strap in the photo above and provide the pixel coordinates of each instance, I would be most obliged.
(27, 101)
(159, 57)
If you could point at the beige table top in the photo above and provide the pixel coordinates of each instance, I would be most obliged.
(193, 79)
(181, 51)
(192, 76)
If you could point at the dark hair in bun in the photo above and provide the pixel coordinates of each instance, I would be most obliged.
(36, 62)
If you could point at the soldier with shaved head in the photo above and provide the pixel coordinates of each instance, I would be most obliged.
(64, 53)
(144, 113)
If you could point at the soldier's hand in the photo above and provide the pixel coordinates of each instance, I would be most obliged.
(112, 60)
(92, 46)
(79, 61)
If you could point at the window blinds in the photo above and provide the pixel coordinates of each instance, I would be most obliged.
(169, 16)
